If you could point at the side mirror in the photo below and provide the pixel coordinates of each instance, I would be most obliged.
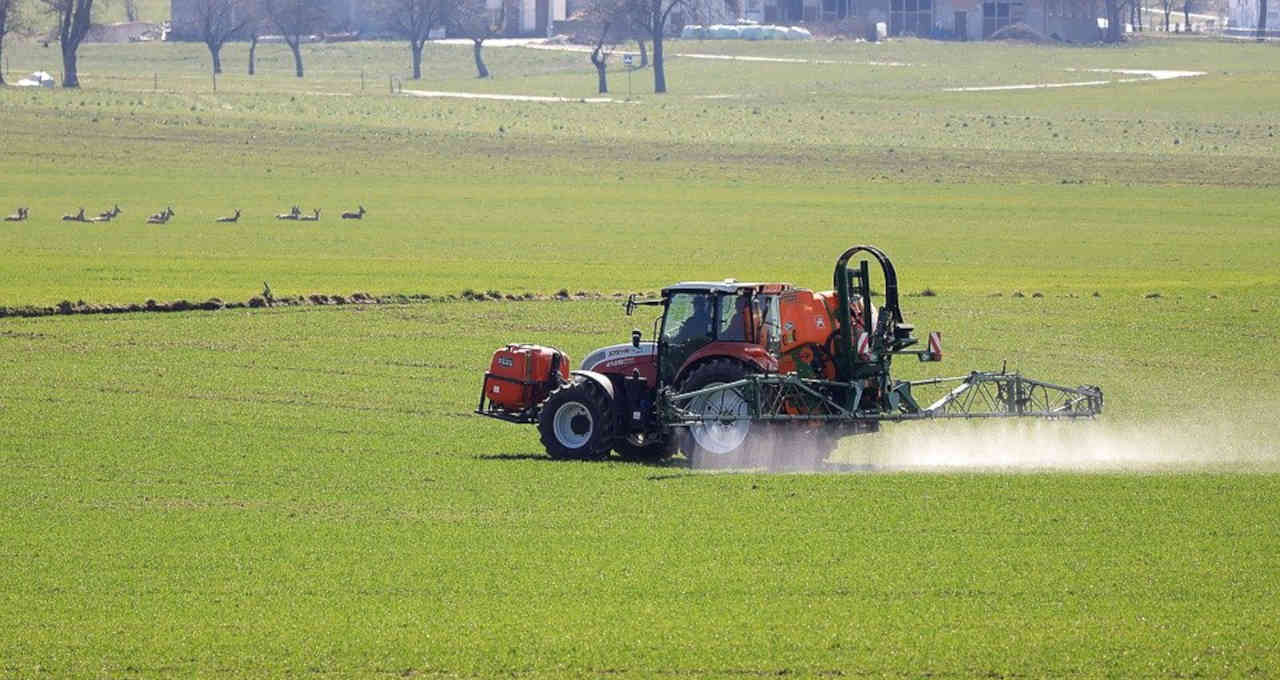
(635, 338)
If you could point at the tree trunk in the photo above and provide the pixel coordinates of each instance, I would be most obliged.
(4, 29)
(416, 48)
(1262, 20)
(481, 71)
(69, 76)
(1186, 14)
(296, 47)
(644, 53)
(130, 10)
(1115, 30)
(602, 80)
(253, 46)
(659, 72)
(215, 52)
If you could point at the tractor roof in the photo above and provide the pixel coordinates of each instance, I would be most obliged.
(725, 286)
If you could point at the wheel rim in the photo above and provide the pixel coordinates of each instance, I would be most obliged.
(719, 437)
(573, 425)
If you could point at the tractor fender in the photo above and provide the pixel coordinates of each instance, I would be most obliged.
(601, 380)
(754, 357)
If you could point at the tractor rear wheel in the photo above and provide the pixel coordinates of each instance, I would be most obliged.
(719, 443)
(576, 422)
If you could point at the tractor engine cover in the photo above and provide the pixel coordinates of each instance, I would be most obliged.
(520, 376)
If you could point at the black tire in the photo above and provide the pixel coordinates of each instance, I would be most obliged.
(643, 451)
(576, 422)
(716, 446)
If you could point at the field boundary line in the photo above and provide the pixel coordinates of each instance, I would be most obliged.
(68, 308)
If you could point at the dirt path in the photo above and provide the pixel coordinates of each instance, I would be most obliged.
(719, 57)
(515, 97)
(1150, 75)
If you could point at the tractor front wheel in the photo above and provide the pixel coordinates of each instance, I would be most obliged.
(576, 422)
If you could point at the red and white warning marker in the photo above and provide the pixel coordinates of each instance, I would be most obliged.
(864, 346)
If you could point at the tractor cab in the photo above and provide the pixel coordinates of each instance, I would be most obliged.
(704, 319)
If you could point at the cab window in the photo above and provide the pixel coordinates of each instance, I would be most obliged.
(688, 318)
(688, 326)
(735, 318)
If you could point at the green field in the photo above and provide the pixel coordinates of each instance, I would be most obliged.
(303, 490)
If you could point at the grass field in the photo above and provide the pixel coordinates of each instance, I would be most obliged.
(254, 493)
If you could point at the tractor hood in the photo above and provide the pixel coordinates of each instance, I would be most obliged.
(615, 356)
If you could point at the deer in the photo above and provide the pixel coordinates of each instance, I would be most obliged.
(78, 217)
(293, 214)
(20, 216)
(233, 218)
(354, 215)
(161, 217)
(311, 218)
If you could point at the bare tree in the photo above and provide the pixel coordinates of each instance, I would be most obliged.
(609, 18)
(218, 21)
(9, 20)
(1167, 6)
(130, 10)
(414, 20)
(1262, 20)
(1186, 15)
(473, 19)
(295, 19)
(73, 24)
(651, 16)
(600, 58)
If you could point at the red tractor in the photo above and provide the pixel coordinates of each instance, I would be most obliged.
(735, 366)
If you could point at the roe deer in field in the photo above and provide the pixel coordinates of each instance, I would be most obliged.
(20, 216)
(311, 218)
(354, 215)
(233, 218)
(78, 217)
(293, 214)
